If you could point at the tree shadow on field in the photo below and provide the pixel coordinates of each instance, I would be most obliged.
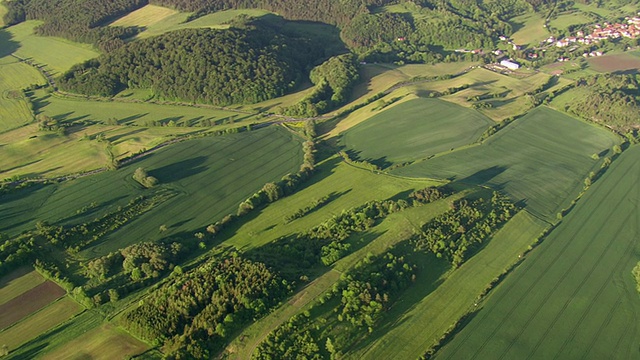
(7, 46)
(180, 170)
(482, 177)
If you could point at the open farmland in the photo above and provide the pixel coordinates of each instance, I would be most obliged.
(574, 296)
(105, 342)
(540, 159)
(39, 322)
(56, 54)
(415, 130)
(146, 16)
(18, 282)
(29, 301)
(429, 309)
(15, 109)
(615, 62)
(563, 21)
(528, 29)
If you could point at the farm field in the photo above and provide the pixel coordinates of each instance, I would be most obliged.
(615, 62)
(346, 185)
(18, 282)
(541, 159)
(106, 342)
(146, 16)
(29, 301)
(56, 54)
(563, 21)
(574, 296)
(185, 169)
(431, 308)
(40, 322)
(15, 109)
(529, 29)
(414, 130)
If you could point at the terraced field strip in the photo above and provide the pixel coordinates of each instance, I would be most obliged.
(145, 16)
(424, 322)
(18, 282)
(415, 130)
(574, 296)
(28, 302)
(39, 322)
(540, 159)
(106, 342)
(15, 108)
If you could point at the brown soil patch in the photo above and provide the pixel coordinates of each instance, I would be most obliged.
(28, 302)
(618, 62)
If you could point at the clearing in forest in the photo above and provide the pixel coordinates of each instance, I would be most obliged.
(145, 16)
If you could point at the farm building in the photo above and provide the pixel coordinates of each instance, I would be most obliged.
(510, 64)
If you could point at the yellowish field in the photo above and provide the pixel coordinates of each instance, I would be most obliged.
(530, 29)
(3, 11)
(106, 342)
(145, 16)
(39, 322)
(15, 109)
(18, 282)
(57, 54)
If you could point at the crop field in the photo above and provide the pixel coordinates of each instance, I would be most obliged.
(18, 282)
(415, 130)
(574, 296)
(28, 302)
(429, 309)
(615, 62)
(528, 29)
(217, 20)
(56, 54)
(540, 159)
(15, 109)
(145, 16)
(346, 185)
(40, 322)
(105, 342)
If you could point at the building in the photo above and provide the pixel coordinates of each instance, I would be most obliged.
(510, 64)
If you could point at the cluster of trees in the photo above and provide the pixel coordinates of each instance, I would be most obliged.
(291, 340)
(15, 252)
(219, 67)
(141, 176)
(458, 232)
(610, 99)
(78, 20)
(333, 82)
(192, 314)
(316, 204)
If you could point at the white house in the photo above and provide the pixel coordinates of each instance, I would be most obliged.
(510, 64)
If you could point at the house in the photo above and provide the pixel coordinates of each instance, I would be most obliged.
(510, 64)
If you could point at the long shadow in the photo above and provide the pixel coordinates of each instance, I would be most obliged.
(180, 170)
(130, 119)
(481, 177)
(7, 45)
(86, 214)
(115, 138)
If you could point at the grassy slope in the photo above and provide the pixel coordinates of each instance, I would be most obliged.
(15, 109)
(529, 29)
(39, 322)
(541, 159)
(106, 342)
(56, 54)
(563, 21)
(3, 11)
(574, 297)
(422, 316)
(145, 16)
(14, 286)
(414, 130)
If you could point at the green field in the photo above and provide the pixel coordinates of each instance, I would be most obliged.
(56, 54)
(563, 21)
(415, 130)
(574, 296)
(18, 282)
(529, 29)
(429, 309)
(106, 342)
(146, 16)
(15, 109)
(40, 322)
(540, 159)
(3, 11)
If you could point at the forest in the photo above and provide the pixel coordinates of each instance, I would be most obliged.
(219, 67)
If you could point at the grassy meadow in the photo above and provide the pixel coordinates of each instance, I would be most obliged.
(563, 21)
(15, 109)
(55, 54)
(529, 29)
(414, 130)
(574, 296)
(3, 11)
(146, 16)
(541, 159)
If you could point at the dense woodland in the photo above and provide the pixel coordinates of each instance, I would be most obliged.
(219, 67)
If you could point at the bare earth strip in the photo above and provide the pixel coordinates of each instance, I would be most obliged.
(29, 302)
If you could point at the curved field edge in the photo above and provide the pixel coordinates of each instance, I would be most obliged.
(540, 160)
(574, 296)
(415, 129)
